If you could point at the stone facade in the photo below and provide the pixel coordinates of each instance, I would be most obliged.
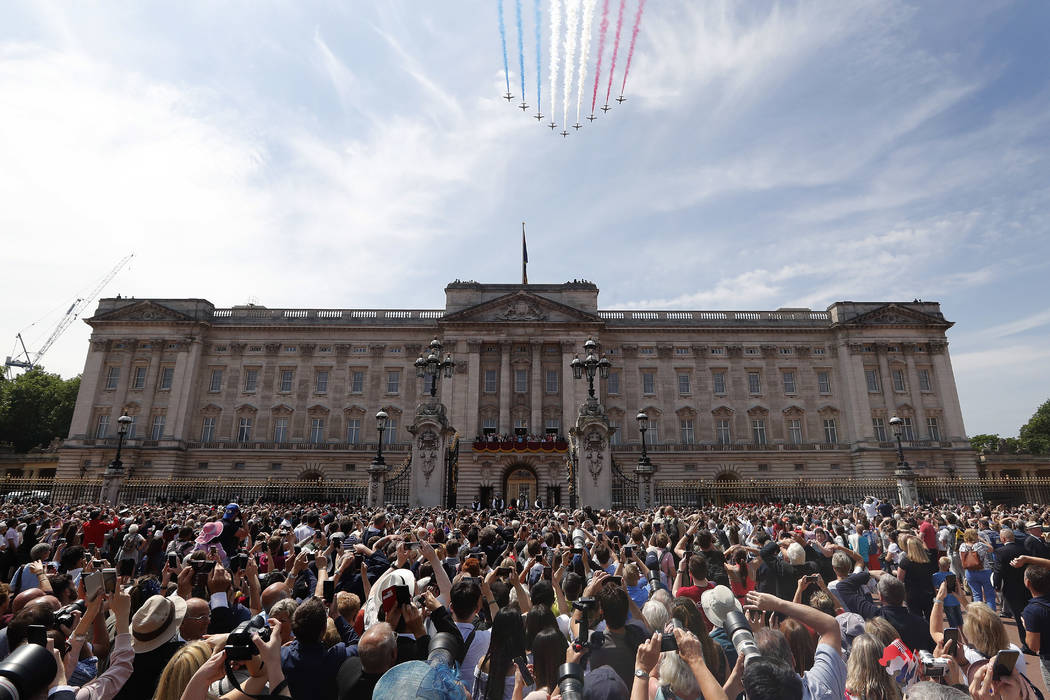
(252, 392)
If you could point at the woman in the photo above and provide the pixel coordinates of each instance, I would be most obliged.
(548, 653)
(983, 635)
(494, 676)
(979, 574)
(742, 572)
(802, 643)
(676, 681)
(916, 572)
(180, 669)
(686, 611)
(866, 678)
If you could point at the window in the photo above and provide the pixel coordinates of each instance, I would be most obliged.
(648, 382)
(719, 382)
(722, 435)
(280, 430)
(785, 351)
(103, 427)
(718, 351)
(393, 382)
(353, 430)
(683, 384)
(286, 379)
(754, 383)
(872, 377)
(763, 467)
(139, 379)
(489, 426)
(552, 381)
(317, 430)
(523, 424)
(907, 430)
(239, 466)
(490, 381)
(321, 381)
(924, 380)
(686, 431)
(201, 466)
(112, 377)
(428, 382)
(157, 429)
(751, 351)
(167, 374)
(275, 466)
(147, 463)
(215, 383)
(933, 428)
(244, 431)
(800, 467)
(758, 431)
(878, 425)
(208, 430)
(614, 435)
(131, 426)
(614, 382)
(654, 432)
(251, 380)
(681, 351)
(553, 424)
(824, 382)
(834, 467)
(831, 431)
(357, 382)
(795, 431)
(390, 436)
(521, 381)
(818, 351)
(647, 351)
(789, 382)
(898, 380)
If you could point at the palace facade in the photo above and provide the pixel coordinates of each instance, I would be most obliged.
(252, 393)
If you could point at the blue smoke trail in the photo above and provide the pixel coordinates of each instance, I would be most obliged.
(538, 20)
(521, 48)
(503, 41)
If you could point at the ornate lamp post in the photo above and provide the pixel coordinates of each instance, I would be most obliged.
(378, 467)
(591, 365)
(430, 364)
(906, 489)
(644, 469)
(123, 422)
(115, 471)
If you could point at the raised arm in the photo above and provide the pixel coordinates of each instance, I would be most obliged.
(826, 627)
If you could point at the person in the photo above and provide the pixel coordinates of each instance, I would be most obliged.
(916, 573)
(494, 675)
(308, 666)
(696, 564)
(716, 604)
(548, 654)
(181, 668)
(976, 558)
(233, 530)
(865, 676)
(621, 637)
(95, 529)
(952, 606)
(1036, 616)
(1034, 544)
(155, 628)
(648, 659)
(1011, 578)
(377, 654)
(983, 632)
(476, 505)
(466, 600)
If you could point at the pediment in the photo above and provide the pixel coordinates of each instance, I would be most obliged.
(143, 311)
(520, 307)
(896, 315)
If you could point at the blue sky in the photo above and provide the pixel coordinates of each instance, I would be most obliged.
(312, 154)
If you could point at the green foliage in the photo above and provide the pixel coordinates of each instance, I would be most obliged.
(985, 441)
(35, 408)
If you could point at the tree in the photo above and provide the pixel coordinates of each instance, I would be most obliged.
(1035, 434)
(35, 408)
(985, 441)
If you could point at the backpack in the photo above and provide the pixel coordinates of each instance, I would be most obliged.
(971, 559)
(957, 538)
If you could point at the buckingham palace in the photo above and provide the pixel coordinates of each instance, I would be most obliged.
(258, 393)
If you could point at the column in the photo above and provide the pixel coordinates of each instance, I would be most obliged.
(505, 388)
(916, 395)
(536, 423)
(183, 385)
(94, 366)
(942, 367)
(473, 388)
(568, 387)
(887, 380)
(849, 382)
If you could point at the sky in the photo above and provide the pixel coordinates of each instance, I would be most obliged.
(359, 155)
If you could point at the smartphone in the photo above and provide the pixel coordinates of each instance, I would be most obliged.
(668, 642)
(950, 583)
(93, 548)
(92, 585)
(523, 668)
(109, 581)
(329, 591)
(503, 572)
(213, 551)
(1004, 663)
(548, 573)
(617, 580)
(404, 595)
(173, 560)
(951, 635)
(311, 556)
(37, 634)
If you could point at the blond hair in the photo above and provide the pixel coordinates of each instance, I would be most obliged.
(866, 678)
(180, 669)
(881, 629)
(631, 574)
(984, 630)
(970, 536)
(916, 551)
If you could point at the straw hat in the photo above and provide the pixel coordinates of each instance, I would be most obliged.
(156, 622)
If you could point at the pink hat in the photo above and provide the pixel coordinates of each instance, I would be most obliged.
(209, 532)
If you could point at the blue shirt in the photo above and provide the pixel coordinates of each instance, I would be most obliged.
(938, 579)
(1036, 617)
(310, 669)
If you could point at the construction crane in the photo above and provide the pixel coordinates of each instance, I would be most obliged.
(72, 313)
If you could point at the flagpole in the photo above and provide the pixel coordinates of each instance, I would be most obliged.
(524, 256)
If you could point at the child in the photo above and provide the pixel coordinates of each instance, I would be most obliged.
(952, 608)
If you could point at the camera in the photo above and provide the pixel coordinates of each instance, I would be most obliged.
(931, 666)
(570, 681)
(239, 644)
(579, 541)
(64, 616)
(654, 581)
(444, 649)
(586, 638)
(738, 629)
(26, 672)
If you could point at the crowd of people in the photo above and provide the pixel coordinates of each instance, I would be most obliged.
(326, 600)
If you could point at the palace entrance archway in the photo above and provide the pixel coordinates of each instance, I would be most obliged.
(520, 481)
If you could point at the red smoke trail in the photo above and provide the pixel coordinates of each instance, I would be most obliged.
(616, 48)
(634, 37)
(601, 46)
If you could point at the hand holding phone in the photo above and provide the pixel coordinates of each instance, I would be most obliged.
(1004, 663)
(523, 668)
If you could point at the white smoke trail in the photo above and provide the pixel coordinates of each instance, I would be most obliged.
(553, 63)
(572, 28)
(585, 48)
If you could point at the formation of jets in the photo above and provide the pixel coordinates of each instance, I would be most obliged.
(553, 127)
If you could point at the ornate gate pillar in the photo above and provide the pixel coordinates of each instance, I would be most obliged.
(590, 438)
(431, 435)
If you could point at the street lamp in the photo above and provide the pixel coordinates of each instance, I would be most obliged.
(430, 364)
(122, 429)
(644, 469)
(898, 428)
(378, 466)
(591, 365)
(381, 418)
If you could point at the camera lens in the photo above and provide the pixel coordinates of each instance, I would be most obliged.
(26, 672)
(570, 681)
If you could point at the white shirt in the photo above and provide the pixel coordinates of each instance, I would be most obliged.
(872, 509)
(475, 652)
(303, 532)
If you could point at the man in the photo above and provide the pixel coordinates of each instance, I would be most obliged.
(155, 628)
(538, 503)
(377, 652)
(95, 528)
(466, 600)
(309, 668)
(195, 623)
(1037, 616)
(716, 604)
(476, 505)
(1011, 578)
(697, 566)
(622, 639)
(928, 533)
(498, 504)
(1034, 543)
(307, 529)
(233, 530)
(24, 579)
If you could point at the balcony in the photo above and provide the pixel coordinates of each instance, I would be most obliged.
(300, 446)
(735, 447)
(531, 443)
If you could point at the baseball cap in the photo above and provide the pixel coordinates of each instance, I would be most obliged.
(603, 683)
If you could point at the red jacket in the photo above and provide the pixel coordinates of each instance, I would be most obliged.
(95, 530)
